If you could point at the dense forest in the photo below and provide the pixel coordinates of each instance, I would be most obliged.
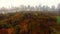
(29, 22)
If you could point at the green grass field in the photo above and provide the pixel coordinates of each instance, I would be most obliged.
(58, 19)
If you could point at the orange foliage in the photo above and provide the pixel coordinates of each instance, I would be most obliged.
(23, 25)
(33, 32)
(10, 30)
(3, 31)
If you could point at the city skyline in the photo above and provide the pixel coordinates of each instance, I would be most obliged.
(16, 3)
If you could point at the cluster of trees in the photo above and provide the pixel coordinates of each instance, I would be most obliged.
(29, 23)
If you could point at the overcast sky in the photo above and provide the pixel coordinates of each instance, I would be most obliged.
(10, 3)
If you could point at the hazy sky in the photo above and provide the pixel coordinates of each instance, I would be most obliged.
(9, 3)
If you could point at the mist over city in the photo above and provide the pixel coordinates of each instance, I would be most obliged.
(10, 6)
(29, 16)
